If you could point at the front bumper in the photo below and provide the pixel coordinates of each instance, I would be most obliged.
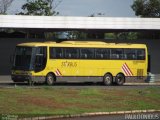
(21, 78)
(28, 78)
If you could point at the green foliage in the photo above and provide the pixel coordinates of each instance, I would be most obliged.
(110, 36)
(146, 8)
(38, 7)
(76, 35)
(97, 15)
(128, 35)
(122, 35)
(132, 36)
(61, 100)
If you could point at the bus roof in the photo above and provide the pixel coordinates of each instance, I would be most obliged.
(83, 44)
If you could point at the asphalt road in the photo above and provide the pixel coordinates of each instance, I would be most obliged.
(5, 81)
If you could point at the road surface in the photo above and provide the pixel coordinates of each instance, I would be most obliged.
(5, 81)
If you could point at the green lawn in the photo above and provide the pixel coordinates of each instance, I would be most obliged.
(61, 101)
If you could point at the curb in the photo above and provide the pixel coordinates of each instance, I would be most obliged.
(90, 114)
(142, 84)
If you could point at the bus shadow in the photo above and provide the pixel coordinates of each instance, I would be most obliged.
(79, 84)
(60, 84)
(68, 84)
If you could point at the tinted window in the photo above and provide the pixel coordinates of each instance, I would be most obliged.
(23, 58)
(140, 54)
(97, 53)
(41, 51)
(41, 58)
(56, 53)
(87, 53)
(130, 54)
(117, 53)
(71, 53)
(102, 53)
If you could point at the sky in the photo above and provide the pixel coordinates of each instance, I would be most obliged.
(110, 8)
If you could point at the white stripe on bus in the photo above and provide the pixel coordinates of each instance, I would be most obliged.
(126, 70)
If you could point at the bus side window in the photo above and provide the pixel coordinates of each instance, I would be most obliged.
(102, 53)
(87, 53)
(56, 53)
(41, 58)
(99, 53)
(116, 53)
(130, 54)
(71, 53)
(106, 53)
(140, 54)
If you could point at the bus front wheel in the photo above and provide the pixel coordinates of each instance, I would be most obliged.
(120, 79)
(50, 79)
(107, 79)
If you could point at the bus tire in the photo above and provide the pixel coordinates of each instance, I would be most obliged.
(50, 79)
(107, 79)
(120, 79)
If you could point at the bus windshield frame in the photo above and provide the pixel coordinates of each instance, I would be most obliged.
(24, 58)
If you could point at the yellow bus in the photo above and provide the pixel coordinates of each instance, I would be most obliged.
(50, 62)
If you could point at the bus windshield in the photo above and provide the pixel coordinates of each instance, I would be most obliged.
(24, 58)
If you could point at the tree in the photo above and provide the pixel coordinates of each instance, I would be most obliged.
(146, 8)
(97, 15)
(4, 5)
(40, 7)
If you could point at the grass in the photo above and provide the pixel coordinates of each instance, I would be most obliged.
(62, 101)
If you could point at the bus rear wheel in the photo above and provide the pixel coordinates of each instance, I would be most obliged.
(120, 79)
(50, 79)
(107, 79)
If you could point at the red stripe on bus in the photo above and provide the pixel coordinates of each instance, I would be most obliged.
(124, 70)
(59, 72)
(129, 69)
